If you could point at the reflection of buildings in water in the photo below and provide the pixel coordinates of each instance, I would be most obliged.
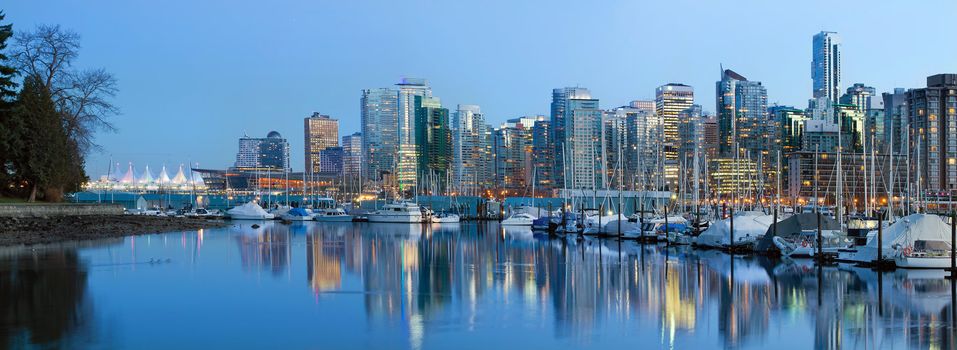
(324, 255)
(408, 278)
(265, 248)
(43, 299)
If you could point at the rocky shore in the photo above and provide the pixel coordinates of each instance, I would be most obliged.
(41, 230)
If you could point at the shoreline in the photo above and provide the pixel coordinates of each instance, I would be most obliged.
(29, 231)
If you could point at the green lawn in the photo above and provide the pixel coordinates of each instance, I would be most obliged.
(11, 200)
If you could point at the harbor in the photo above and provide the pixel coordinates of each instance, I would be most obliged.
(438, 286)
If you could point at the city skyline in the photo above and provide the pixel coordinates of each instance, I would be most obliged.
(519, 83)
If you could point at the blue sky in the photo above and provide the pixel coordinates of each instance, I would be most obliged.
(195, 75)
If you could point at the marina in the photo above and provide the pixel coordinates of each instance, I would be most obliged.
(413, 286)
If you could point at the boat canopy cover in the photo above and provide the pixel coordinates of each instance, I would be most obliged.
(250, 208)
(747, 226)
(792, 228)
(904, 233)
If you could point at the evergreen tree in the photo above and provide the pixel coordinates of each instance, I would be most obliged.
(7, 93)
(45, 159)
(7, 72)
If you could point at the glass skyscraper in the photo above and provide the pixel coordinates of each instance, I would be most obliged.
(742, 108)
(558, 123)
(826, 65)
(379, 129)
(433, 143)
(407, 153)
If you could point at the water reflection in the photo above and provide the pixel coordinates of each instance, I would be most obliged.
(43, 296)
(479, 284)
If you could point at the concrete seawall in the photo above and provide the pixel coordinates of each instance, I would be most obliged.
(66, 209)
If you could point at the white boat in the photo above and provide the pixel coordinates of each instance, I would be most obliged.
(332, 215)
(445, 218)
(249, 211)
(520, 219)
(279, 210)
(914, 241)
(297, 214)
(805, 245)
(749, 226)
(404, 212)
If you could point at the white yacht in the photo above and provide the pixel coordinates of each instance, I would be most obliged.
(403, 212)
(332, 215)
(445, 218)
(520, 219)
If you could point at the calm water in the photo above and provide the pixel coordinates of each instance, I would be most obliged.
(469, 286)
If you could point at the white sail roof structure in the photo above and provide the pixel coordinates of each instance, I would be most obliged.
(115, 172)
(180, 178)
(163, 176)
(198, 180)
(147, 177)
(130, 177)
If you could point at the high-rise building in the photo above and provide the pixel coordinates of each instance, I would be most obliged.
(932, 124)
(352, 155)
(642, 144)
(644, 105)
(866, 100)
(471, 150)
(583, 141)
(613, 147)
(543, 156)
(512, 144)
(558, 123)
(689, 131)
(791, 127)
(380, 139)
(670, 100)
(269, 153)
(408, 153)
(433, 142)
(710, 139)
(742, 108)
(826, 65)
(321, 132)
(331, 161)
(895, 121)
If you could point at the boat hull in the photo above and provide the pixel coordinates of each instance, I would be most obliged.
(922, 262)
(334, 218)
(252, 217)
(406, 219)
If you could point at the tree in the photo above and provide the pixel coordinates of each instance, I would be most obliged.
(7, 85)
(82, 97)
(7, 93)
(47, 159)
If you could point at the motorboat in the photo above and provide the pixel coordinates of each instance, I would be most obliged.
(297, 214)
(249, 211)
(404, 212)
(445, 218)
(796, 236)
(805, 245)
(520, 219)
(332, 215)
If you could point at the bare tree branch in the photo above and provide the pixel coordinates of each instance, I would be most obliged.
(83, 98)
